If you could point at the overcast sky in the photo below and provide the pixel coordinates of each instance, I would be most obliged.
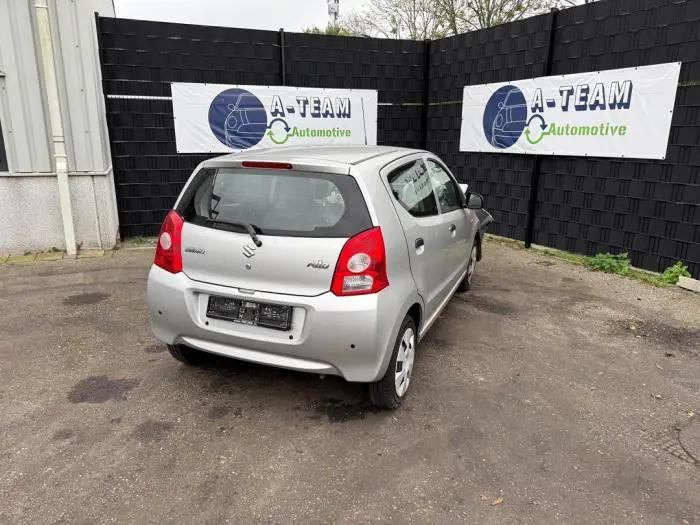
(292, 15)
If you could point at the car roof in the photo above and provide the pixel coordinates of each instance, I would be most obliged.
(316, 155)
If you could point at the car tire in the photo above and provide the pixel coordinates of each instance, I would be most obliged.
(466, 283)
(187, 355)
(390, 391)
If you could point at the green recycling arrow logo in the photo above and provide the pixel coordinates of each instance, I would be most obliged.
(271, 134)
(537, 138)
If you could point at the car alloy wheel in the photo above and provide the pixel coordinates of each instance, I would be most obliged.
(472, 264)
(404, 361)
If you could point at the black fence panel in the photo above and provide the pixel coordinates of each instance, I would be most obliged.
(395, 68)
(648, 208)
(140, 59)
(502, 53)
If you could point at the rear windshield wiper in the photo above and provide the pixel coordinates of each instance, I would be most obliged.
(250, 228)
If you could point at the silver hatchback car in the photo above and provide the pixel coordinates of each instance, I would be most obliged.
(330, 260)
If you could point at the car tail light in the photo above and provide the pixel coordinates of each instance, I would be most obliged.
(361, 267)
(169, 247)
(264, 164)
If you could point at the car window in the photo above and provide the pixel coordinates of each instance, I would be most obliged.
(411, 186)
(447, 191)
(277, 202)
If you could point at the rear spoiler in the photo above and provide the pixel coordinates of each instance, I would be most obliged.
(296, 163)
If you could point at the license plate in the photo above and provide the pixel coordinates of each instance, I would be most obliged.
(274, 316)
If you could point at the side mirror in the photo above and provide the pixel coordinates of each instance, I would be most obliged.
(475, 201)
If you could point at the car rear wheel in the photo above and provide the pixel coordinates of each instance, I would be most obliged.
(187, 355)
(466, 283)
(390, 391)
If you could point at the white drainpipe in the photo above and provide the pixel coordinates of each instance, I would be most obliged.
(57, 133)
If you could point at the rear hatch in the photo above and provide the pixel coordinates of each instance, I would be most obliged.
(302, 220)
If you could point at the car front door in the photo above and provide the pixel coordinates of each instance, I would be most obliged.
(457, 224)
(417, 209)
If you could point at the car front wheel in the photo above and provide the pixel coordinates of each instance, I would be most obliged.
(466, 283)
(390, 391)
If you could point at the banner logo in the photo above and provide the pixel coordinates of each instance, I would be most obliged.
(505, 116)
(237, 118)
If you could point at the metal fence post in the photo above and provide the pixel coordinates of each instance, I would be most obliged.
(535, 173)
(112, 151)
(283, 58)
(426, 95)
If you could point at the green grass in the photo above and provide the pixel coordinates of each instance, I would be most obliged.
(140, 241)
(647, 277)
(567, 256)
(651, 278)
(504, 240)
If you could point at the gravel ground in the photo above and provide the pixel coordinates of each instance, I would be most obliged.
(548, 394)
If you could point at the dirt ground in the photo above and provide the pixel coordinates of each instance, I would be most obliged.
(548, 394)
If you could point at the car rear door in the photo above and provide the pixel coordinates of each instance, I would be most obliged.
(417, 210)
(302, 219)
(456, 223)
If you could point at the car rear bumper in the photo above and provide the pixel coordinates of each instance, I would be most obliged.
(346, 336)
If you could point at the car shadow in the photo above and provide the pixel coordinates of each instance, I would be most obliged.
(328, 399)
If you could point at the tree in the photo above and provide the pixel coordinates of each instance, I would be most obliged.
(410, 19)
(468, 15)
(330, 30)
(430, 19)
(453, 12)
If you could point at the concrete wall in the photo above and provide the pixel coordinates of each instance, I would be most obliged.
(31, 215)
(29, 200)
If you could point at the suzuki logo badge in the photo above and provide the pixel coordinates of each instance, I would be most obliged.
(249, 250)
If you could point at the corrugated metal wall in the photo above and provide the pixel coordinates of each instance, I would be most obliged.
(27, 136)
(29, 203)
(84, 120)
(22, 104)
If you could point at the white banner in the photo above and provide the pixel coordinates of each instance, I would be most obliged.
(212, 118)
(615, 113)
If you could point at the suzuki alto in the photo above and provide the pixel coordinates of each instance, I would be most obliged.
(329, 260)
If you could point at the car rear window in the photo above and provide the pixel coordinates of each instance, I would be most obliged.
(277, 202)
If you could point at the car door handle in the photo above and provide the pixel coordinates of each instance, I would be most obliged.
(453, 228)
(419, 242)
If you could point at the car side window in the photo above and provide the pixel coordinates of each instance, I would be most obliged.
(411, 186)
(447, 191)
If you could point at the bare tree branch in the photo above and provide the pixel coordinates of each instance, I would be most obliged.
(428, 19)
